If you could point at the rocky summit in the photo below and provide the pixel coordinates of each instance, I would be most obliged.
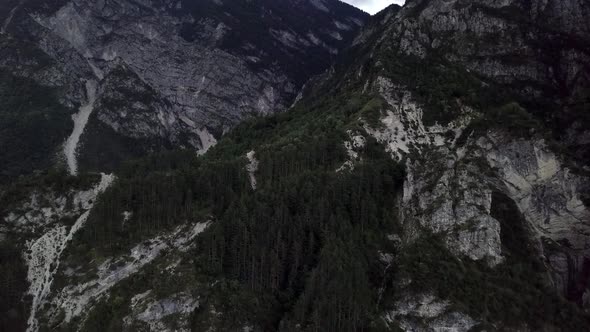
(294, 165)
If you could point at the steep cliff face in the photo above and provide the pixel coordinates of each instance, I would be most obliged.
(537, 50)
(456, 183)
(190, 71)
(471, 152)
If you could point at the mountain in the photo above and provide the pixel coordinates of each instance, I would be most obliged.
(435, 177)
(161, 74)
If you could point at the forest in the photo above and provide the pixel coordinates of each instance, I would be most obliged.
(32, 124)
(308, 237)
(303, 251)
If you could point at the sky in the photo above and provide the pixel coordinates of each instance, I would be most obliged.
(373, 6)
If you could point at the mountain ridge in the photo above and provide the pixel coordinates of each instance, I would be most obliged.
(202, 87)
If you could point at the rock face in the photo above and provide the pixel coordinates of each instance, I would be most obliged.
(179, 306)
(453, 179)
(454, 172)
(424, 312)
(548, 195)
(72, 301)
(488, 37)
(443, 191)
(45, 215)
(173, 73)
(539, 50)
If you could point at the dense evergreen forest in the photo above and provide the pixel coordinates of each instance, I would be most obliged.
(13, 308)
(32, 124)
(304, 250)
(307, 238)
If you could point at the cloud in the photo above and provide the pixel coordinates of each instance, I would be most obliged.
(373, 6)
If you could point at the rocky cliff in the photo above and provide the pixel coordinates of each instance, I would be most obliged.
(470, 152)
(170, 74)
(537, 50)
